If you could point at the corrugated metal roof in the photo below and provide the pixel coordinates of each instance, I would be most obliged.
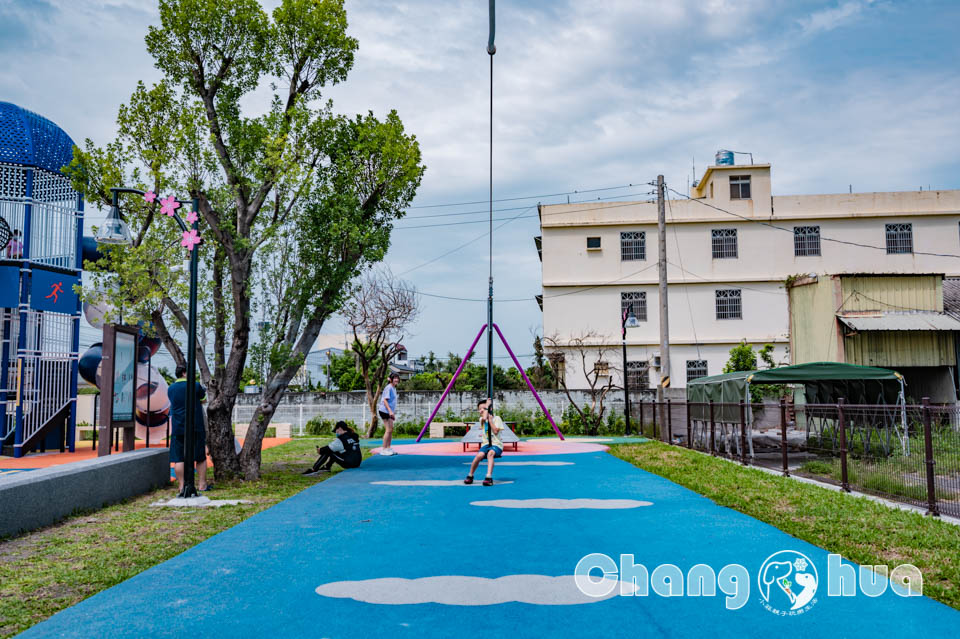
(951, 296)
(893, 321)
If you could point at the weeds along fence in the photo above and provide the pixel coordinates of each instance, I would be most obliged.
(909, 453)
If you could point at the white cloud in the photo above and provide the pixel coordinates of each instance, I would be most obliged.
(456, 590)
(833, 18)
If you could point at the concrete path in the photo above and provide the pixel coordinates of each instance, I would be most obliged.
(401, 548)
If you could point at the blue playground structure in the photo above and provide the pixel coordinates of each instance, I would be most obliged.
(39, 267)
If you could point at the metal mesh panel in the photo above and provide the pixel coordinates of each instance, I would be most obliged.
(9, 323)
(54, 220)
(47, 361)
(13, 189)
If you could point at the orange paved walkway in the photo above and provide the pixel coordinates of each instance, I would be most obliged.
(84, 451)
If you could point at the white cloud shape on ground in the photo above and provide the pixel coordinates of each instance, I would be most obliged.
(528, 463)
(433, 482)
(458, 590)
(564, 504)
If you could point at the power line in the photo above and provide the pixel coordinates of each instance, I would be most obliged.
(782, 228)
(525, 208)
(516, 208)
(457, 248)
(524, 197)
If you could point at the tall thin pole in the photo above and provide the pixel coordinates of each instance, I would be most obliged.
(189, 489)
(664, 319)
(626, 383)
(491, 50)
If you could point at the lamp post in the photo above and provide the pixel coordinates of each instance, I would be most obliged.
(627, 320)
(115, 231)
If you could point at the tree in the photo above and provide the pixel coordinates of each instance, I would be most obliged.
(381, 309)
(592, 357)
(743, 358)
(296, 199)
(343, 372)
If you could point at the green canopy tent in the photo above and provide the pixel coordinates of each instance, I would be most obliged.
(823, 383)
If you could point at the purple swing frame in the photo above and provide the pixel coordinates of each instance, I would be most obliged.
(463, 362)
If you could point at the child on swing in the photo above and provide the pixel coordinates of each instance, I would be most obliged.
(491, 446)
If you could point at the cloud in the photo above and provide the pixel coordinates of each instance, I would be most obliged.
(564, 504)
(456, 590)
(431, 482)
(833, 18)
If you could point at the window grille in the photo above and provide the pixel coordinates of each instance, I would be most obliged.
(724, 242)
(806, 241)
(638, 300)
(696, 368)
(899, 238)
(729, 304)
(633, 245)
(638, 375)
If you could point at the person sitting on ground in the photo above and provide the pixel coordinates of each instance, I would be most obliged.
(178, 419)
(491, 446)
(345, 450)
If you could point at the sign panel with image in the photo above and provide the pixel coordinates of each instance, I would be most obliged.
(124, 372)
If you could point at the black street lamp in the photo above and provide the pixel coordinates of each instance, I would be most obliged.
(115, 231)
(627, 320)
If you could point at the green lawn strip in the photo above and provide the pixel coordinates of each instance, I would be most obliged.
(861, 530)
(50, 569)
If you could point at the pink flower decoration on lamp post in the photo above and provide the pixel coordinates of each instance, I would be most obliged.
(150, 196)
(190, 239)
(192, 217)
(168, 205)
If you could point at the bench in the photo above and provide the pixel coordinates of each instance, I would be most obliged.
(437, 428)
(474, 436)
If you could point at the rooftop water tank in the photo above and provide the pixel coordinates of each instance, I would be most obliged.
(725, 158)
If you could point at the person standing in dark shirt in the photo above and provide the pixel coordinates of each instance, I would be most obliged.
(178, 419)
(345, 450)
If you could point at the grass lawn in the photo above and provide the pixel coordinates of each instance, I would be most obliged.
(53, 568)
(861, 530)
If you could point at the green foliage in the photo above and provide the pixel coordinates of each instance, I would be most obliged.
(320, 426)
(742, 358)
(343, 372)
(295, 201)
(426, 381)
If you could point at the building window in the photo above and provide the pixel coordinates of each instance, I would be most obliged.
(602, 368)
(593, 243)
(696, 368)
(724, 243)
(739, 187)
(806, 241)
(637, 300)
(633, 245)
(728, 304)
(638, 375)
(899, 238)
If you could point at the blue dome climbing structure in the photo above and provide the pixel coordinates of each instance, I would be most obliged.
(39, 267)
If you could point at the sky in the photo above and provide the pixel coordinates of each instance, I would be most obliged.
(591, 99)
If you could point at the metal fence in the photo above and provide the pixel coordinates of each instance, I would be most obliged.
(907, 453)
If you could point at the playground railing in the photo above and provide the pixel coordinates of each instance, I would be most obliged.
(908, 453)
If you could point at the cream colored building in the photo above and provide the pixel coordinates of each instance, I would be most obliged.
(730, 249)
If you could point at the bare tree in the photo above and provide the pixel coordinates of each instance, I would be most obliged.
(380, 311)
(588, 352)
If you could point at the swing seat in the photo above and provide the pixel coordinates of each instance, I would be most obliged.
(475, 436)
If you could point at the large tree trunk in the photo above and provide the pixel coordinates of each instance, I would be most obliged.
(220, 439)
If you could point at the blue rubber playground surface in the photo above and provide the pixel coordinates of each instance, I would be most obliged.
(370, 552)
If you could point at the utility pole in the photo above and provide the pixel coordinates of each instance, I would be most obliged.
(664, 319)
